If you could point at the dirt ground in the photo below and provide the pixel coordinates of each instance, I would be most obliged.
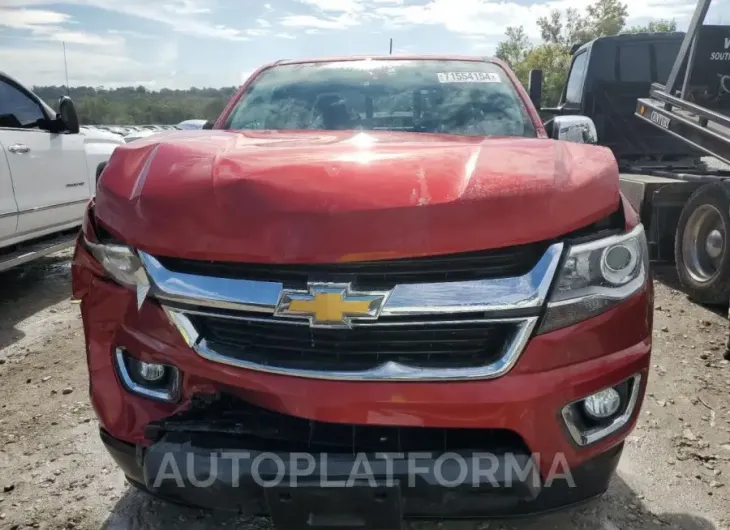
(54, 472)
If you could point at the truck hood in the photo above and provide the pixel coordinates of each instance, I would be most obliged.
(99, 136)
(332, 196)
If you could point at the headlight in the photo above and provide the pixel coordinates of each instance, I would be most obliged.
(596, 276)
(121, 263)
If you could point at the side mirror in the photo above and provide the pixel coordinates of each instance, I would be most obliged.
(67, 113)
(534, 88)
(99, 170)
(578, 129)
(208, 125)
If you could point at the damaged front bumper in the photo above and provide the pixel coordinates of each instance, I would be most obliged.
(299, 490)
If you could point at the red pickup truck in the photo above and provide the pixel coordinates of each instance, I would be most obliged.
(377, 288)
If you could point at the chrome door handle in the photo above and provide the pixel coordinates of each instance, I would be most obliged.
(18, 148)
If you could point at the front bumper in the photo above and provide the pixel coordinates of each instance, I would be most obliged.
(182, 473)
(555, 369)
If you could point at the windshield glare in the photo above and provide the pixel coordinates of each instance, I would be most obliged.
(433, 96)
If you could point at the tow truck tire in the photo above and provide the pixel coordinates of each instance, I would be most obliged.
(703, 265)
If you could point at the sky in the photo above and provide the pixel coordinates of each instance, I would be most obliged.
(213, 43)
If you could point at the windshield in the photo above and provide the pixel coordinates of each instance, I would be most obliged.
(433, 96)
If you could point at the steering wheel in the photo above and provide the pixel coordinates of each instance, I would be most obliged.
(332, 109)
(477, 111)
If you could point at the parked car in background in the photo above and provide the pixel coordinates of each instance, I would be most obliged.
(191, 124)
(136, 135)
(48, 173)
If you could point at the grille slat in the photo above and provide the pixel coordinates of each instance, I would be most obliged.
(384, 274)
(283, 345)
(254, 427)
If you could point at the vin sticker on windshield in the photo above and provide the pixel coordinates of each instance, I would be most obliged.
(468, 77)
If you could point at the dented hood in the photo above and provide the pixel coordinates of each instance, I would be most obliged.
(328, 196)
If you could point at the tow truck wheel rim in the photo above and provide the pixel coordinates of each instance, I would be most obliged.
(703, 243)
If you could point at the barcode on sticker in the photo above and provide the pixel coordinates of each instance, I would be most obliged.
(468, 77)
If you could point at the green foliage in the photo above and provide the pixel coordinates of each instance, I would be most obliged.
(657, 26)
(606, 17)
(559, 31)
(514, 50)
(554, 60)
(138, 106)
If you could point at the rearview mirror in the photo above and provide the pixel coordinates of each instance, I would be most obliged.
(534, 88)
(208, 125)
(68, 116)
(578, 129)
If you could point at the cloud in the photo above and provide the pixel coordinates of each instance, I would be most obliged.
(85, 67)
(88, 66)
(131, 33)
(489, 18)
(311, 21)
(346, 6)
(46, 25)
(183, 16)
(337, 6)
(31, 19)
(335, 14)
(37, 56)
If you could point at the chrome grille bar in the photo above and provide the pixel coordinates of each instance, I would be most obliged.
(484, 296)
(512, 301)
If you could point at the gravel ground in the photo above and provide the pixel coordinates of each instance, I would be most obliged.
(54, 472)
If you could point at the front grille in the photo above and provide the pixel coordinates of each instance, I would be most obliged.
(276, 344)
(255, 428)
(496, 263)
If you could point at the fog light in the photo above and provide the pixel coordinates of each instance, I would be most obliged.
(152, 380)
(603, 413)
(149, 371)
(603, 404)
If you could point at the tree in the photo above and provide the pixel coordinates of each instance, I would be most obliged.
(554, 61)
(138, 105)
(562, 27)
(514, 50)
(657, 26)
(604, 17)
(559, 31)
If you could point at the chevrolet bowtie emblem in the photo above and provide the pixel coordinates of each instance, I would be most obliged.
(330, 305)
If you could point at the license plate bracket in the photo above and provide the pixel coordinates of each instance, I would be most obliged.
(358, 506)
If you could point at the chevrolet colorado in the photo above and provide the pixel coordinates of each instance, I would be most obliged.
(375, 289)
(48, 170)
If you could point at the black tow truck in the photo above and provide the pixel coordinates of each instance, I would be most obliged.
(661, 102)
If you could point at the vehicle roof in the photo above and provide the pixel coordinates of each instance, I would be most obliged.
(402, 57)
(629, 37)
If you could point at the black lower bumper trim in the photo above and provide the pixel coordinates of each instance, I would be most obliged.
(277, 484)
(376, 507)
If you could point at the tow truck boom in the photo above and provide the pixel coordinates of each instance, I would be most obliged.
(693, 105)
